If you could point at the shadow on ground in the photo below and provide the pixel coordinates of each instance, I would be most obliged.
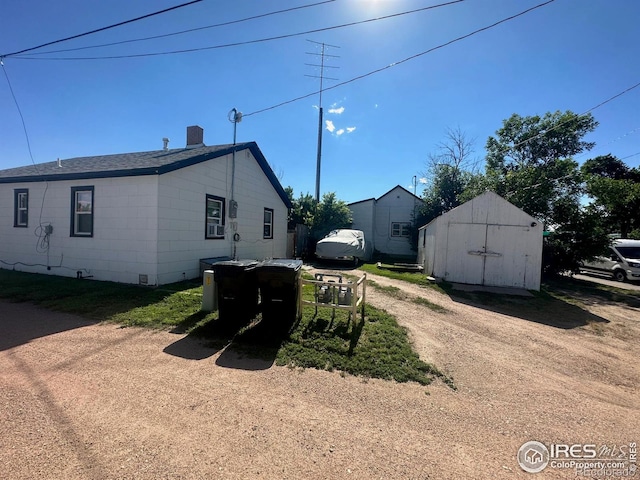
(543, 308)
(246, 343)
(21, 323)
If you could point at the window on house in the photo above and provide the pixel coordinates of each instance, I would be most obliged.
(20, 207)
(215, 217)
(82, 211)
(268, 223)
(400, 229)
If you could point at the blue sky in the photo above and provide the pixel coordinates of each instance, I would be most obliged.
(567, 55)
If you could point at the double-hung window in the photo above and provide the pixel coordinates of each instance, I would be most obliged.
(400, 229)
(268, 223)
(214, 225)
(82, 211)
(21, 207)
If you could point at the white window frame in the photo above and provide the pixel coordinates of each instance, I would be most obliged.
(267, 224)
(77, 213)
(214, 225)
(21, 208)
(401, 229)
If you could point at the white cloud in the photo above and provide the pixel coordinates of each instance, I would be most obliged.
(337, 111)
(330, 126)
(340, 132)
(423, 180)
(350, 129)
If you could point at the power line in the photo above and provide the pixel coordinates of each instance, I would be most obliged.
(216, 25)
(600, 147)
(360, 77)
(629, 156)
(249, 42)
(24, 125)
(101, 29)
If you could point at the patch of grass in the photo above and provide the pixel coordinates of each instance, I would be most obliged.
(429, 304)
(176, 305)
(416, 278)
(375, 348)
(397, 293)
(579, 292)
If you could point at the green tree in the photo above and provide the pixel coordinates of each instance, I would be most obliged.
(615, 190)
(330, 214)
(447, 175)
(530, 163)
(303, 209)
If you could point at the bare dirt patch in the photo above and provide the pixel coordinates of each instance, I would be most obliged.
(86, 401)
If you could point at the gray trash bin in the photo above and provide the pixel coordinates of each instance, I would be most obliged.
(237, 289)
(278, 281)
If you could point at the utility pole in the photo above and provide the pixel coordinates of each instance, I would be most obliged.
(322, 77)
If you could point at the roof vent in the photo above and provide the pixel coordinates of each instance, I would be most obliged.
(195, 136)
(165, 140)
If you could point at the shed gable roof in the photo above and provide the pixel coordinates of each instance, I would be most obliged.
(488, 207)
(155, 162)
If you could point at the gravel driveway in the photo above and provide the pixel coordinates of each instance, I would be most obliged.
(96, 401)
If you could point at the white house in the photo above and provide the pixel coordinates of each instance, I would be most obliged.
(146, 217)
(386, 221)
(485, 241)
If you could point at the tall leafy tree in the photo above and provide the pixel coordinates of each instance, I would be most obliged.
(529, 162)
(615, 190)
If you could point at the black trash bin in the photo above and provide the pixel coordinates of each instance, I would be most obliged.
(237, 289)
(278, 281)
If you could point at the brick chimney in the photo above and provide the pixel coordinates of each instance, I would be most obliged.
(195, 137)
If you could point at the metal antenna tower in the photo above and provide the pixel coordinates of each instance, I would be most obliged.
(322, 77)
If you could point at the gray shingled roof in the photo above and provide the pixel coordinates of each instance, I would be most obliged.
(156, 162)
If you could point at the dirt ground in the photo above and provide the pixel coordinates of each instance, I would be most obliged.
(96, 401)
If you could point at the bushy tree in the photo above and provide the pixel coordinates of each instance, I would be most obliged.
(448, 173)
(530, 163)
(615, 190)
(303, 209)
(330, 214)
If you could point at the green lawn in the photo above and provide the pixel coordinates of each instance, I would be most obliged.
(375, 348)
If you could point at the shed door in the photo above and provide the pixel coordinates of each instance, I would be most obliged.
(461, 266)
(490, 255)
(508, 267)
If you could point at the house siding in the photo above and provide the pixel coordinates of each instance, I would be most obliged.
(181, 224)
(363, 214)
(395, 206)
(124, 236)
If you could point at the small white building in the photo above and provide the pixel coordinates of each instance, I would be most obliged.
(145, 218)
(485, 241)
(386, 221)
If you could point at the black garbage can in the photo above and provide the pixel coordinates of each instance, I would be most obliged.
(278, 281)
(237, 289)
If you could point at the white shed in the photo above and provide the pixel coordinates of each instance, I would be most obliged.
(485, 241)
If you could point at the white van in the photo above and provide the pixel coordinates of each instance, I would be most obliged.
(623, 262)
